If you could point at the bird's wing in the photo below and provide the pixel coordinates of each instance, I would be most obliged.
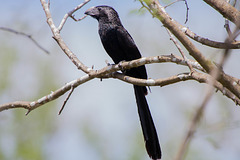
(127, 44)
(131, 52)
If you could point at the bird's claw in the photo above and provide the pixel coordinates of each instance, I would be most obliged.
(108, 64)
(121, 67)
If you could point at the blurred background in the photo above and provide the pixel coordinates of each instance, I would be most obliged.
(100, 120)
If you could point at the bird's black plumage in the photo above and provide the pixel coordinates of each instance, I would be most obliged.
(120, 47)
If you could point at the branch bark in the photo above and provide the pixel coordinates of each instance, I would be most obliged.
(211, 43)
(70, 14)
(59, 40)
(215, 74)
(31, 105)
(159, 12)
(111, 72)
(25, 35)
(225, 9)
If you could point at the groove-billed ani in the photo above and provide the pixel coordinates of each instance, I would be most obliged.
(120, 47)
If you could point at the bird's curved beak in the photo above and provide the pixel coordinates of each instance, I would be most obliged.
(91, 11)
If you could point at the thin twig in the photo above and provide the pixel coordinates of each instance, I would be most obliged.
(228, 11)
(110, 72)
(226, 25)
(73, 17)
(196, 119)
(234, 3)
(172, 3)
(211, 43)
(180, 50)
(199, 77)
(60, 41)
(70, 14)
(186, 11)
(193, 126)
(25, 35)
(64, 103)
(186, 7)
(144, 6)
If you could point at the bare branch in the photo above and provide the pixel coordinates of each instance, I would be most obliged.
(110, 72)
(64, 103)
(225, 9)
(226, 25)
(152, 82)
(45, 99)
(70, 14)
(59, 40)
(209, 74)
(215, 74)
(25, 35)
(102, 73)
(180, 50)
(176, 2)
(196, 119)
(186, 11)
(73, 17)
(199, 77)
(211, 43)
(142, 61)
(175, 28)
(93, 74)
(172, 3)
(17, 104)
(159, 12)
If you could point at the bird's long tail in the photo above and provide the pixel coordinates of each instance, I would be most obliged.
(148, 128)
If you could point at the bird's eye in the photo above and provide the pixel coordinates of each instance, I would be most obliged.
(99, 9)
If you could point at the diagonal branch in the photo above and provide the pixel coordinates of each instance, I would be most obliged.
(196, 119)
(180, 50)
(211, 43)
(225, 9)
(59, 40)
(70, 14)
(25, 35)
(31, 105)
(197, 116)
(110, 72)
(64, 103)
(145, 60)
(158, 11)
(199, 77)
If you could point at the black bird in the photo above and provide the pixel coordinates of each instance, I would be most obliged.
(120, 47)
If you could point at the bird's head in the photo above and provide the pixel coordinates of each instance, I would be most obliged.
(106, 13)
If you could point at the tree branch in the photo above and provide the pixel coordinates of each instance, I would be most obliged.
(158, 11)
(225, 9)
(180, 50)
(197, 117)
(31, 105)
(64, 103)
(59, 40)
(70, 14)
(211, 43)
(25, 35)
(199, 77)
(110, 72)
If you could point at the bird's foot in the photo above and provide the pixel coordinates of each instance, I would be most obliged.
(121, 67)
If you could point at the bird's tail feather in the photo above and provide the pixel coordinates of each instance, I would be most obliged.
(148, 128)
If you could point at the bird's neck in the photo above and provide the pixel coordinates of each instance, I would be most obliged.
(108, 21)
